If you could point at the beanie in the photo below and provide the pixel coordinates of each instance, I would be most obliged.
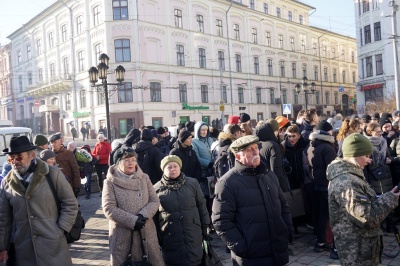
(170, 158)
(121, 152)
(383, 122)
(40, 140)
(282, 121)
(146, 134)
(377, 116)
(233, 119)
(244, 118)
(184, 135)
(189, 126)
(273, 124)
(154, 132)
(356, 145)
(47, 154)
(180, 126)
(366, 118)
(160, 130)
(324, 125)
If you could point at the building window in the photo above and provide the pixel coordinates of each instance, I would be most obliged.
(68, 102)
(221, 60)
(304, 70)
(303, 46)
(361, 37)
(317, 97)
(81, 61)
(268, 38)
(265, 8)
(367, 34)
(344, 76)
(219, 28)
(180, 55)
(278, 12)
(334, 75)
(362, 69)
(252, 4)
(64, 33)
(240, 95)
(326, 74)
(238, 63)
(96, 15)
(295, 97)
(258, 95)
(204, 93)
(82, 97)
(256, 66)
(336, 97)
(280, 41)
(270, 68)
(224, 94)
(365, 6)
(294, 70)
(200, 22)
(236, 31)
(282, 65)
(29, 78)
(202, 58)
(28, 52)
(315, 73)
(378, 64)
(354, 76)
(375, 4)
(314, 47)
(254, 35)
(79, 22)
(284, 96)
(182, 93)
(40, 74)
(333, 53)
(343, 57)
(52, 70)
(21, 89)
(155, 91)
(120, 9)
(125, 93)
(122, 50)
(327, 100)
(352, 56)
(292, 43)
(97, 51)
(19, 57)
(178, 18)
(100, 98)
(271, 96)
(324, 50)
(39, 46)
(66, 67)
(377, 31)
(51, 40)
(290, 16)
(300, 19)
(368, 63)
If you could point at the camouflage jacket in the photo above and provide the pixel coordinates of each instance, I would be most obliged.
(355, 214)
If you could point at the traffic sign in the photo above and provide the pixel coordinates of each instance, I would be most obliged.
(222, 107)
(37, 103)
(287, 108)
(341, 89)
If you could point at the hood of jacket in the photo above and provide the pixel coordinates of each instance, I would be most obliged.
(132, 136)
(264, 132)
(142, 146)
(197, 127)
(307, 126)
(321, 135)
(339, 166)
(225, 139)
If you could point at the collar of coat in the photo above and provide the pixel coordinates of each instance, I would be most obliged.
(118, 180)
(39, 175)
(322, 135)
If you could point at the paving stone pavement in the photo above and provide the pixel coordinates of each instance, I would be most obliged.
(92, 249)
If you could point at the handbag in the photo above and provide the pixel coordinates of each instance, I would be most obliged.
(295, 201)
(210, 258)
(129, 261)
(380, 172)
(75, 233)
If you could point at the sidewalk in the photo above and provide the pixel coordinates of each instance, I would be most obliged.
(93, 249)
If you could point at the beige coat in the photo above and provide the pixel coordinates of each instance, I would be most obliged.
(123, 199)
(39, 229)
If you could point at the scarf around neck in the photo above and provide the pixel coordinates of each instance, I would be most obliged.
(173, 184)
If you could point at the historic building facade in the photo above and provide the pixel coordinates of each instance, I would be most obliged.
(180, 64)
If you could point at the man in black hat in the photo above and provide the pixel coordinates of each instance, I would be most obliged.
(26, 200)
(250, 211)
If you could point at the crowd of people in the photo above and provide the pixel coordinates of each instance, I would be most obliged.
(175, 192)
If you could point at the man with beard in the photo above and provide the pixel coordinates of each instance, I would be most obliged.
(250, 211)
(29, 217)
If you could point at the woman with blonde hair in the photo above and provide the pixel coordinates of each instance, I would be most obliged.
(348, 127)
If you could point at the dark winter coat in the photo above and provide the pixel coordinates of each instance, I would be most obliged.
(190, 163)
(321, 153)
(294, 155)
(182, 213)
(152, 159)
(271, 154)
(251, 214)
(306, 131)
(39, 232)
(74, 132)
(220, 149)
(162, 147)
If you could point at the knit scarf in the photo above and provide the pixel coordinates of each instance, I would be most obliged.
(173, 184)
(380, 148)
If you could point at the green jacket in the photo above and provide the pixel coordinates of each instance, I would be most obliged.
(356, 213)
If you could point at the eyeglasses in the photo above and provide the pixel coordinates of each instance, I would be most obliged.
(15, 157)
(378, 132)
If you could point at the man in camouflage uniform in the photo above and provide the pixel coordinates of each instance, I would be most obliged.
(354, 209)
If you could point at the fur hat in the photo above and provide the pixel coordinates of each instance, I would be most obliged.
(170, 158)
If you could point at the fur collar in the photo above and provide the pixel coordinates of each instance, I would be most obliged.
(316, 135)
(39, 175)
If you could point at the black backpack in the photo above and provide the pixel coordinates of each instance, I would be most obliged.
(223, 161)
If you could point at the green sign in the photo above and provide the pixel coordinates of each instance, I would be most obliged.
(185, 106)
(80, 114)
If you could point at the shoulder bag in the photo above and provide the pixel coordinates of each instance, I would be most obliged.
(129, 261)
(75, 233)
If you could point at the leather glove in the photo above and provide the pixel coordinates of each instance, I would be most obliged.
(140, 222)
(210, 165)
(204, 231)
(76, 191)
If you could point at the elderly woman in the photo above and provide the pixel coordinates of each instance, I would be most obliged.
(129, 202)
(183, 215)
(355, 210)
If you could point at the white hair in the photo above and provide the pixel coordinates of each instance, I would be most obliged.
(72, 144)
(351, 160)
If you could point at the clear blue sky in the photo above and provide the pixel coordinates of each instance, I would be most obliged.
(337, 16)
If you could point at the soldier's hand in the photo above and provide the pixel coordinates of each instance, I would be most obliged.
(3, 256)
(396, 191)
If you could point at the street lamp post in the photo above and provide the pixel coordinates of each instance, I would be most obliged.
(101, 73)
(304, 87)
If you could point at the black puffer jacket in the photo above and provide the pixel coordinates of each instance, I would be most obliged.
(294, 155)
(251, 214)
(190, 163)
(152, 159)
(271, 154)
(182, 213)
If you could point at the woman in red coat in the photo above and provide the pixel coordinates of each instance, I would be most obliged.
(101, 152)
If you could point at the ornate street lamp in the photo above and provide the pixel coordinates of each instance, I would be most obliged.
(304, 87)
(101, 73)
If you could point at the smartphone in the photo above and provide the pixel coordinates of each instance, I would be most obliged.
(398, 188)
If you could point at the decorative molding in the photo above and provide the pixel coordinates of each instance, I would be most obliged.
(199, 5)
(97, 32)
(217, 12)
(121, 27)
(180, 1)
(179, 34)
(294, 56)
(201, 38)
(80, 40)
(153, 29)
(282, 53)
(220, 42)
(269, 52)
(238, 45)
(256, 49)
(304, 58)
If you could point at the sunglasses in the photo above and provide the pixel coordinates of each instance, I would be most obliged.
(15, 158)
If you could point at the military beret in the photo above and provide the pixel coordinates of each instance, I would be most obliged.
(243, 142)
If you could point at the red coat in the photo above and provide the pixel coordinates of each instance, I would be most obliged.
(102, 149)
